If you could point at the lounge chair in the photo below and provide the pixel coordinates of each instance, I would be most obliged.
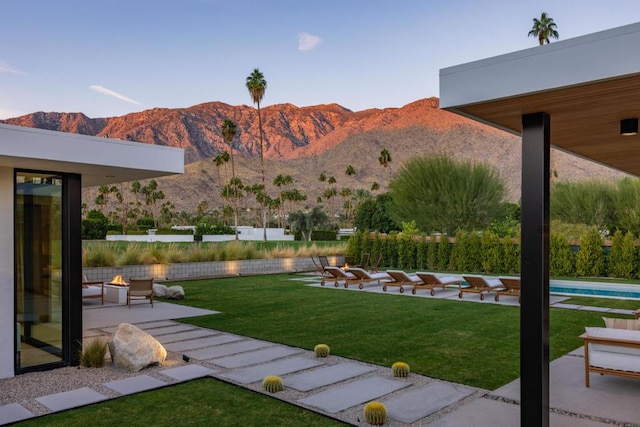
(400, 278)
(324, 262)
(480, 285)
(431, 281)
(363, 276)
(512, 286)
(318, 266)
(92, 289)
(373, 267)
(336, 275)
(140, 288)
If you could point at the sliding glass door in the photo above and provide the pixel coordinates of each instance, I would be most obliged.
(39, 270)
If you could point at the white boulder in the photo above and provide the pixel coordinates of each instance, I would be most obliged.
(159, 290)
(175, 292)
(134, 349)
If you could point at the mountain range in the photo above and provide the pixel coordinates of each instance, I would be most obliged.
(306, 141)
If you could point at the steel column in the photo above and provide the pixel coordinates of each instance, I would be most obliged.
(534, 310)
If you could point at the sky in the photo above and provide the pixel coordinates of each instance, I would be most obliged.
(108, 58)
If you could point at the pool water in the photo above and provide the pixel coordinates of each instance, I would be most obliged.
(603, 290)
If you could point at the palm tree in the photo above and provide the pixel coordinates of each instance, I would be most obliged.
(544, 28)
(279, 181)
(229, 130)
(257, 85)
(350, 171)
(384, 159)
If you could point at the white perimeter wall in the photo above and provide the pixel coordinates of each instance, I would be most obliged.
(7, 327)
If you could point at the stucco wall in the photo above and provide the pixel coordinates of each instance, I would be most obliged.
(7, 324)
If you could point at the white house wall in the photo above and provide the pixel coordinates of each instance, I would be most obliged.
(7, 322)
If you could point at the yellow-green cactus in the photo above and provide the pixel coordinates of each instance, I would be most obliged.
(321, 350)
(400, 369)
(272, 384)
(375, 413)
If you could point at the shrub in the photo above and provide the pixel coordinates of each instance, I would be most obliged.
(406, 252)
(324, 235)
(99, 255)
(391, 249)
(95, 226)
(321, 350)
(377, 246)
(442, 194)
(375, 413)
(421, 254)
(93, 354)
(474, 252)
(444, 252)
(400, 369)
(622, 255)
(493, 260)
(458, 259)
(132, 255)
(511, 253)
(145, 223)
(561, 257)
(272, 384)
(432, 253)
(590, 258)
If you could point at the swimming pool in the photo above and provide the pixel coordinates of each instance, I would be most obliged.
(592, 289)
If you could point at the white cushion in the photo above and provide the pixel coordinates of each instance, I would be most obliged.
(610, 360)
(90, 291)
(449, 279)
(623, 334)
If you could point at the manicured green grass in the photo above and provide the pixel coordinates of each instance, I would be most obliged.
(204, 402)
(463, 342)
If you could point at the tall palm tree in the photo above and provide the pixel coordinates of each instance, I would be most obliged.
(257, 85)
(229, 130)
(544, 28)
(279, 181)
(384, 159)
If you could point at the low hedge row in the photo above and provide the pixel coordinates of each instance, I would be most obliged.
(487, 253)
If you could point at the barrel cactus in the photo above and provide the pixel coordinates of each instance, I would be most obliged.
(321, 350)
(400, 369)
(272, 384)
(375, 413)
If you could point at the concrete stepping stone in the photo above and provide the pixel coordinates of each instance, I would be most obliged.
(156, 324)
(14, 412)
(201, 343)
(188, 372)
(342, 397)
(321, 377)
(71, 399)
(135, 384)
(189, 335)
(256, 356)
(280, 367)
(166, 330)
(418, 403)
(233, 347)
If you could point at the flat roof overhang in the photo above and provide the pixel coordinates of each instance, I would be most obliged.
(99, 160)
(586, 84)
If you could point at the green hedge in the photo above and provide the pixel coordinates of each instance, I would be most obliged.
(489, 254)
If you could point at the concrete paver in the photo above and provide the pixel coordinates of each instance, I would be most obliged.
(190, 345)
(184, 336)
(421, 402)
(172, 329)
(188, 372)
(135, 384)
(14, 412)
(230, 347)
(255, 356)
(321, 377)
(71, 399)
(279, 367)
(354, 393)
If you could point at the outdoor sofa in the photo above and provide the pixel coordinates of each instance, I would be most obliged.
(611, 351)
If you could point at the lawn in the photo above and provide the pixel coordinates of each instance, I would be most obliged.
(196, 403)
(463, 342)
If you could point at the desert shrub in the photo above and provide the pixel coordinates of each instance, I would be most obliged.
(92, 356)
(590, 257)
(570, 231)
(622, 255)
(133, 254)
(586, 202)
(99, 255)
(442, 194)
(281, 251)
(561, 257)
(491, 253)
(627, 205)
(173, 254)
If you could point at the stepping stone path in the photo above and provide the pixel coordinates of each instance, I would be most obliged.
(333, 386)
